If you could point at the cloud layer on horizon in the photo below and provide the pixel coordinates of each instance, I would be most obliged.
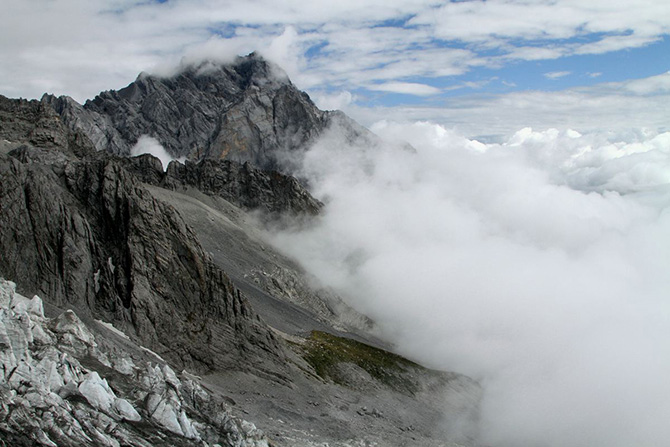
(618, 108)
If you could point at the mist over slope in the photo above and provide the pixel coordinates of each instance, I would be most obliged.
(538, 266)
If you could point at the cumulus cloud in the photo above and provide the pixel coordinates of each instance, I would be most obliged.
(149, 145)
(537, 265)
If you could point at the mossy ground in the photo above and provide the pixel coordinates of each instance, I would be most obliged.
(324, 351)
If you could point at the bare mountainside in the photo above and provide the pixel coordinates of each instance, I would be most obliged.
(164, 317)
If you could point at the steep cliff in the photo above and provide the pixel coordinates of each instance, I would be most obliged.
(88, 235)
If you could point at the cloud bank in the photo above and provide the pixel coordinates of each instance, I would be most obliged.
(401, 60)
(537, 265)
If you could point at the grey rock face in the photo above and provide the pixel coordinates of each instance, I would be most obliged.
(88, 235)
(35, 123)
(92, 237)
(247, 111)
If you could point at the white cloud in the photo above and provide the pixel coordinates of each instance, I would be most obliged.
(336, 101)
(149, 145)
(500, 261)
(615, 107)
(81, 47)
(408, 88)
(284, 52)
(557, 74)
(545, 20)
(615, 43)
(478, 21)
(527, 53)
(648, 86)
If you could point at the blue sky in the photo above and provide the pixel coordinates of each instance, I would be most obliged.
(393, 59)
(549, 75)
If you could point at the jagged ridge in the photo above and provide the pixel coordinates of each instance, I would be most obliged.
(247, 111)
(88, 235)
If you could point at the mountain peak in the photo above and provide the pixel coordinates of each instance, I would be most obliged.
(252, 69)
(258, 70)
(246, 110)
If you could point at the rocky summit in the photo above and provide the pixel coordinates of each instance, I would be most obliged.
(161, 316)
(248, 111)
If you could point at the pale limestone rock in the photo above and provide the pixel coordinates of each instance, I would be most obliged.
(33, 307)
(171, 377)
(126, 410)
(40, 336)
(187, 426)
(124, 365)
(72, 330)
(7, 358)
(97, 392)
(7, 291)
(165, 415)
(48, 372)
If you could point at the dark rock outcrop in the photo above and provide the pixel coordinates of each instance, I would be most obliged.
(248, 111)
(88, 235)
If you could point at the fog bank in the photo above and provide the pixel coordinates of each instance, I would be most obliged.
(537, 266)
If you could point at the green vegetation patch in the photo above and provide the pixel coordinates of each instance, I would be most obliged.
(324, 352)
